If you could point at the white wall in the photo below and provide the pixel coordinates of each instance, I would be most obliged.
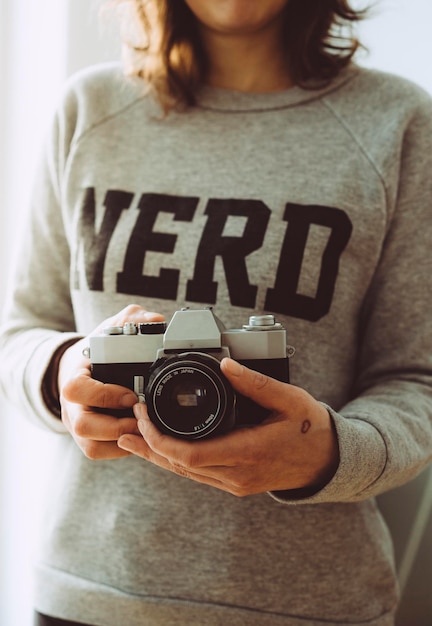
(32, 68)
(399, 38)
(40, 43)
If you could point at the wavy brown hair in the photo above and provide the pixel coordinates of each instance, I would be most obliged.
(167, 51)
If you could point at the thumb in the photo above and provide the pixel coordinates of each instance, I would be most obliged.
(264, 390)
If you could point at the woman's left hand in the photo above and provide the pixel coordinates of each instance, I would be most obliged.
(296, 447)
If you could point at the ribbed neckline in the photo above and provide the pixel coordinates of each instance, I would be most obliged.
(225, 100)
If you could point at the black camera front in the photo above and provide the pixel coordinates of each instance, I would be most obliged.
(175, 369)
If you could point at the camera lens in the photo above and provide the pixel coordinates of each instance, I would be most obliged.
(188, 397)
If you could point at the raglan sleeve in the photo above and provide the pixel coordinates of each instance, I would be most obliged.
(38, 317)
(385, 430)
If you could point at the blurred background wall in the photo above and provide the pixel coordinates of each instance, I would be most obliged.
(41, 43)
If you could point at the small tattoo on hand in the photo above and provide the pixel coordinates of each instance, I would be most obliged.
(305, 426)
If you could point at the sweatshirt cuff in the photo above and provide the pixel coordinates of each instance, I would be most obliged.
(40, 405)
(363, 457)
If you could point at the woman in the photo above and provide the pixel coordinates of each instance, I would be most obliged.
(246, 163)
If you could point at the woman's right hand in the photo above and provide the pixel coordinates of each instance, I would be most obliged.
(80, 395)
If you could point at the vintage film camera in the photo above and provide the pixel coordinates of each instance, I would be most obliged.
(175, 369)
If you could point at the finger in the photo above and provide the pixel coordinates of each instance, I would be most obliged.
(85, 390)
(238, 480)
(136, 445)
(266, 391)
(208, 454)
(96, 434)
(131, 313)
(87, 424)
(177, 451)
(101, 451)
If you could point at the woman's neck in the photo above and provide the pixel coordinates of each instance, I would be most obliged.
(254, 63)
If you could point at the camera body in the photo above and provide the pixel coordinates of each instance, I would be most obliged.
(175, 369)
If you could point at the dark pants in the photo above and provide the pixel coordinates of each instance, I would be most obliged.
(44, 620)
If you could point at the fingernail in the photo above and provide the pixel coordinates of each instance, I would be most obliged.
(128, 400)
(124, 442)
(139, 411)
(234, 368)
(150, 315)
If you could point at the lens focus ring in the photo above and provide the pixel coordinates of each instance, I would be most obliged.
(188, 397)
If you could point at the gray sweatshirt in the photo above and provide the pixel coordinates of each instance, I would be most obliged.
(314, 205)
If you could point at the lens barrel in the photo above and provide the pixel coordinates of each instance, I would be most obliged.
(188, 397)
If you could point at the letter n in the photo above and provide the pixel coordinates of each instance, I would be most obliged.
(95, 244)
